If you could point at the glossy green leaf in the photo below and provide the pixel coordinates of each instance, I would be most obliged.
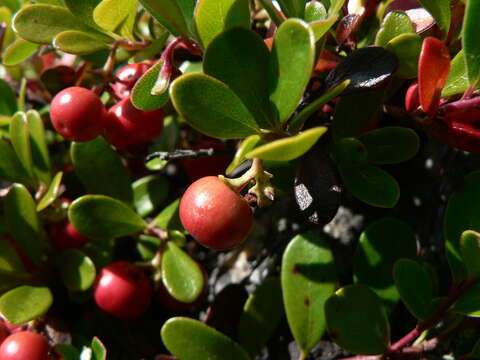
(99, 351)
(148, 246)
(101, 170)
(175, 15)
(213, 17)
(169, 219)
(79, 42)
(141, 94)
(211, 107)
(149, 192)
(189, 339)
(471, 47)
(18, 52)
(102, 217)
(181, 275)
(371, 184)
(293, 8)
(8, 99)
(244, 148)
(20, 138)
(239, 58)
(380, 246)
(40, 154)
(117, 16)
(83, 10)
(462, 213)
(25, 303)
(349, 152)
(440, 10)
(23, 223)
(414, 286)
(288, 148)
(407, 48)
(52, 193)
(394, 24)
(40, 23)
(315, 11)
(10, 167)
(457, 82)
(357, 321)
(261, 315)
(470, 248)
(469, 303)
(76, 269)
(308, 279)
(320, 27)
(291, 65)
(9, 259)
(390, 145)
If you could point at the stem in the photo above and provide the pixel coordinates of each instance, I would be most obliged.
(272, 11)
(468, 93)
(165, 74)
(303, 355)
(181, 154)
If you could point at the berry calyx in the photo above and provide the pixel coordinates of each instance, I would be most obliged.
(214, 214)
(24, 345)
(77, 114)
(123, 290)
(128, 127)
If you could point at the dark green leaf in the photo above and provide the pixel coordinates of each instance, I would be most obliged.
(25, 303)
(52, 193)
(239, 58)
(169, 219)
(10, 167)
(101, 170)
(190, 339)
(68, 352)
(261, 315)
(213, 17)
(117, 16)
(102, 217)
(469, 303)
(291, 65)
(99, 351)
(77, 270)
(210, 107)
(175, 15)
(20, 138)
(80, 42)
(308, 279)
(457, 82)
(9, 259)
(440, 10)
(8, 99)
(470, 247)
(349, 152)
(181, 275)
(40, 155)
(394, 24)
(293, 8)
(471, 47)
(407, 48)
(141, 94)
(357, 321)
(149, 192)
(18, 52)
(148, 246)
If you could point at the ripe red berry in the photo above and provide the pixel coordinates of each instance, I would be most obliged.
(24, 345)
(128, 127)
(64, 236)
(77, 114)
(206, 166)
(122, 290)
(412, 97)
(215, 215)
(128, 76)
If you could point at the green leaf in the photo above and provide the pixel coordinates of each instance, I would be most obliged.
(470, 248)
(83, 10)
(175, 15)
(440, 10)
(149, 192)
(320, 27)
(190, 339)
(315, 11)
(40, 23)
(102, 217)
(141, 94)
(413, 284)
(76, 269)
(457, 82)
(52, 193)
(293, 8)
(394, 24)
(462, 213)
(23, 223)
(471, 47)
(261, 315)
(20, 138)
(169, 219)
(9, 259)
(67, 352)
(13, 5)
(8, 99)
(101, 170)
(244, 148)
(210, 107)
(148, 246)
(288, 148)
(469, 303)
(10, 167)
(308, 279)
(40, 155)
(390, 145)
(335, 6)
(181, 275)
(407, 47)
(25, 303)
(79, 42)
(18, 52)
(348, 152)
(380, 246)
(291, 65)
(99, 351)
(371, 184)
(357, 321)
(117, 16)
(212, 17)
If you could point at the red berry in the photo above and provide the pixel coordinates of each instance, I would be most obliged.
(214, 214)
(122, 290)
(77, 114)
(128, 127)
(128, 76)
(24, 345)
(64, 236)
(206, 166)
(412, 97)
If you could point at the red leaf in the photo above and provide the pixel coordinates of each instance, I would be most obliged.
(433, 68)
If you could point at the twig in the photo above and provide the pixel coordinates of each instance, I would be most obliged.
(180, 154)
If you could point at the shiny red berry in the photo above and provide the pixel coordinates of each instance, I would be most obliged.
(64, 236)
(215, 215)
(127, 77)
(24, 345)
(77, 114)
(123, 290)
